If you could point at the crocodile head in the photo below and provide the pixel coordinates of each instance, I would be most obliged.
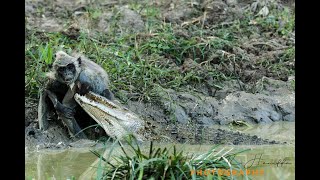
(116, 120)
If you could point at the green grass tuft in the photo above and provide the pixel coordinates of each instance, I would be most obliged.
(166, 163)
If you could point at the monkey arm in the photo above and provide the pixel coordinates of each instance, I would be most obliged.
(45, 106)
(62, 109)
(69, 102)
(68, 99)
(83, 87)
(66, 113)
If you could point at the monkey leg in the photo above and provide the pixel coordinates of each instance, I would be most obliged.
(43, 111)
(73, 127)
(69, 101)
(66, 114)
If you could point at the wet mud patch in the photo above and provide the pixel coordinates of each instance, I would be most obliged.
(199, 134)
(188, 117)
(274, 102)
(53, 138)
(56, 137)
(255, 108)
(203, 135)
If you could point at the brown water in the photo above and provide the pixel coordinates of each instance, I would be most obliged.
(266, 161)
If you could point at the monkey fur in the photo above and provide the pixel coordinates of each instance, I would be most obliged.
(70, 75)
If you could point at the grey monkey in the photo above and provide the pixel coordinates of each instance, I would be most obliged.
(70, 75)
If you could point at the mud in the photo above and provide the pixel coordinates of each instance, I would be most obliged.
(56, 137)
(198, 134)
(183, 117)
(259, 96)
(274, 102)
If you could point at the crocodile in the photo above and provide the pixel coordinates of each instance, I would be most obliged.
(118, 122)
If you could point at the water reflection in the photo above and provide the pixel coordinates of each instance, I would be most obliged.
(58, 165)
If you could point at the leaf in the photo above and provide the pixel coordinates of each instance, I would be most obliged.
(264, 11)
(99, 170)
(49, 55)
(254, 6)
(153, 45)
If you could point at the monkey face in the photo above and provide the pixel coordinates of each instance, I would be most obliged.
(67, 73)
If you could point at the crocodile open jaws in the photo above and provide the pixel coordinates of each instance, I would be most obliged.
(116, 120)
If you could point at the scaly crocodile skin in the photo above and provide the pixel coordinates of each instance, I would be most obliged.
(114, 119)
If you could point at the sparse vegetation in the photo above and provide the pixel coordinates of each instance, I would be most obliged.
(137, 62)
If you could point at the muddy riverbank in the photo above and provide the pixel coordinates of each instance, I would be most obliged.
(198, 119)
